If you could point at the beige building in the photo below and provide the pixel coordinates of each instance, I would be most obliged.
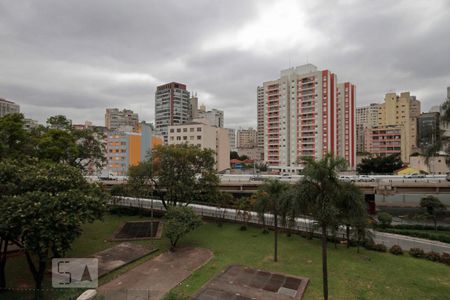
(115, 118)
(246, 138)
(8, 107)
(401, 110)
(366, 117)
(199, 132)
(435, 165)
(252, 153)
(386, 140)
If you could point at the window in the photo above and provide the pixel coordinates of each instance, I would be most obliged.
(199, 129)
(199, 137)
(178, 138)
(191, 129)
(171, 130)
(178, 129)
(184, 138)
(184, 129)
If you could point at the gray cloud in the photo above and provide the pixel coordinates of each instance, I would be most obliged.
(79, 57)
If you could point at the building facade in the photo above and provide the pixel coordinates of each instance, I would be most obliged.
(127, 148)
(200, 133)
(8, 107)
(260, 116)
(215, 117)
(401, 110)
(386, 140)
(115, 118)
(366, 117)
(300, 117)
(246, 138)
(428, 131)
(172, 107)
(232, 138)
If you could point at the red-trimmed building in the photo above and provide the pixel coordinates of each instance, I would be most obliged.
(307, 113)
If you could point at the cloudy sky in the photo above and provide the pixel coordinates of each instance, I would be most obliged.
(77, 57)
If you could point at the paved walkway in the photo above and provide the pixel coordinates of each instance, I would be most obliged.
(154, 278)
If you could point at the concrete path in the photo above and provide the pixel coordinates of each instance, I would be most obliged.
(154, 278)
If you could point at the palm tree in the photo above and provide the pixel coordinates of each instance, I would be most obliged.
(319, 190)
(352, 207)
(272, 200)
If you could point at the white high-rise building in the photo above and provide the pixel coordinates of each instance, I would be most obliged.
(260, 116)
(115, 118)
(301, 111)
(366, 117)
(8, 107)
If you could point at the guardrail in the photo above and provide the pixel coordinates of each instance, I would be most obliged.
(303, 224)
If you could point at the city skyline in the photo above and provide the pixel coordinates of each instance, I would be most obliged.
(224, 56)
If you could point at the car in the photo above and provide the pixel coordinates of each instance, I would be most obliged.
(448, 176)
(414, 176)
(346, 178)
(285, 176)
(366, 178)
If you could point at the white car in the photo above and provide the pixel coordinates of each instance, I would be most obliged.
(346, 178)
(414, 175)
(365, 178)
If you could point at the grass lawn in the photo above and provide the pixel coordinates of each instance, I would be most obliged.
(368, 275)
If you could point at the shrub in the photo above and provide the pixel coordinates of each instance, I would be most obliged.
(424, 235)
(433, 256)
(380, 248)
(180, 221)
(417, 252)
(396, 250)
(385, 219)
(445, 258)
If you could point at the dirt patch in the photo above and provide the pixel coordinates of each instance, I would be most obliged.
(138, 230)
(156, 277)
(239, 282)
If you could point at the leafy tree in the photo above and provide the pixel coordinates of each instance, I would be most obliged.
(385, 219)
(352, 207)
(223, 201)
(45, 207)
(90, 150)
(243, 157)
(379, 165)
(179, 222)
(140, 179)
(59, 122)
(15, 141)
(234, 155)
(271, 200)
(186, 173)
(433, 207)
(319, 190)
(58, 146)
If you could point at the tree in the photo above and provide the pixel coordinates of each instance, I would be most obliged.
(179, 222)
(433, 207)
(385, 219)
(15, 141)
(185, 173)
(243, 211)
(139, 179)
(234, 155)
(46, 210)
(91, 150)
(380, 165)
(271, 199)
(352, 207)
(59, 122)
(59, 146)
(319, 190)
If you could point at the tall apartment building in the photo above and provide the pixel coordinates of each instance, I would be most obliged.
(8, 107)
(260, 116)
(232, 138)
(200, 133)
(115, 118)
(172, 107)
(127, 148)
(300, 116)
(401, 110)
(366, 117)
(246, 138)
(428, 130)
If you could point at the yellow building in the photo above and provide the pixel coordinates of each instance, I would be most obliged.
(401, 110)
